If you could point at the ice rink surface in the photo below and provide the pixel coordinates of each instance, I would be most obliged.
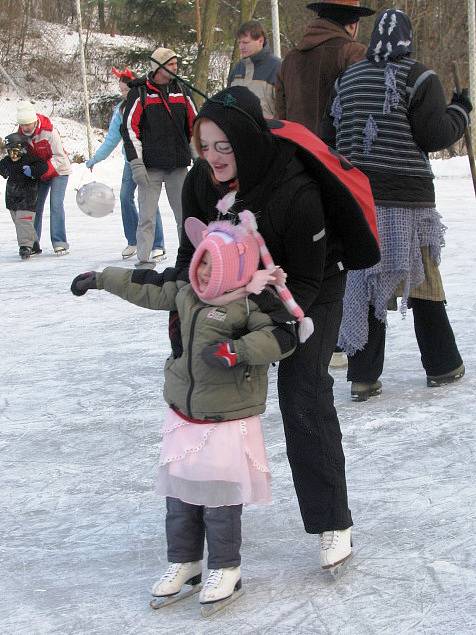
(82, 531)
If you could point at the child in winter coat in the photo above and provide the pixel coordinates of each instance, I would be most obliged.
(22, 171)
(213, 459)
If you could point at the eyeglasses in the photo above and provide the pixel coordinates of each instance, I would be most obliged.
(222, 147)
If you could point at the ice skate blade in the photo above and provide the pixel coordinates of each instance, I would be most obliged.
(437, 382)
(365, 396)
(338, 569)
(158, 602)
(144, 264)
(209, 609)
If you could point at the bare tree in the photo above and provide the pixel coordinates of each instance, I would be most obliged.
(247, 11)
(202, 62)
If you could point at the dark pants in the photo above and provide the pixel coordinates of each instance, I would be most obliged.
(436, 341)
(187, 525)
(313, 436)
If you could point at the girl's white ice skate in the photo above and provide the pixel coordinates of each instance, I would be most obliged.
(336, 550)
(169, 589)
(223, 586)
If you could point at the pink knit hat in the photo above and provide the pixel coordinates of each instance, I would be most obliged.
(234, 254)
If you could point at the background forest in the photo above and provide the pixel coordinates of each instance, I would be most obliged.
(39, 47)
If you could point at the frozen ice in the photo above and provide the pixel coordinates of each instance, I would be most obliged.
(82, 531)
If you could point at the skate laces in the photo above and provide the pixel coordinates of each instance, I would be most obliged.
(214, 578)
(329, 539)
(171, 572)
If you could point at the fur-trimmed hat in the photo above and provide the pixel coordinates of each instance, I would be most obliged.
(162, 56)
(26, 113)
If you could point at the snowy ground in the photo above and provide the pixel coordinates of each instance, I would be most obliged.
(80, 414)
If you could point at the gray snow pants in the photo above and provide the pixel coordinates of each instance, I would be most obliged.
(148, 199)
(24, 226)
(186, 526)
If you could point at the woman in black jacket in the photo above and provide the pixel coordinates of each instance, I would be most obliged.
(239, 153)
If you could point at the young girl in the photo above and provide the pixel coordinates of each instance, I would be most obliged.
(213, 459)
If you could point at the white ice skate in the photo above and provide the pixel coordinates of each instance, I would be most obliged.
(336, 550)
(223, 586)
(129, 251)
(61, 251)
(158, 254)
(169, 589)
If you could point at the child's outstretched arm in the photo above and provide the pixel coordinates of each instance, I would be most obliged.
(145, 288)
(272, 337)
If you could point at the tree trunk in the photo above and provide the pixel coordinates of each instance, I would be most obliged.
(202, 62)
(101, 16)
(247, 11)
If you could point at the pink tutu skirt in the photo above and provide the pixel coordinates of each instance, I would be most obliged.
(214, 464)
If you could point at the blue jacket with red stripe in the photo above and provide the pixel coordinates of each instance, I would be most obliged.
(157, 124)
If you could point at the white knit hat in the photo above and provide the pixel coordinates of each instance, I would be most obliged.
(26, 113)
(162, 56)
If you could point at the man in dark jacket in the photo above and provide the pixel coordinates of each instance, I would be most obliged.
(308, 72)
(156, 128)
(258, 67)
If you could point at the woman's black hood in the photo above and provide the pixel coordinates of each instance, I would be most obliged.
(237, 111)
(391, 39)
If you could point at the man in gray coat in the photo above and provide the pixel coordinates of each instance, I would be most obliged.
(258, 67)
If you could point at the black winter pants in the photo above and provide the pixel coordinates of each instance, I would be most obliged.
(313, 436)
(186, 526)
(436, 341)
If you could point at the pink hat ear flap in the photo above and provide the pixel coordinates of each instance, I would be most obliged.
(195, 230)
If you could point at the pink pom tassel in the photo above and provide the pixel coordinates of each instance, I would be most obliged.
(226, 202)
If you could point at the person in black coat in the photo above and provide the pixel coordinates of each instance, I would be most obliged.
(22, 171)
(239, 153)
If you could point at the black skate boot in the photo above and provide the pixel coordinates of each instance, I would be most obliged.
(25, 252)
(361, 391)
(435, 381)
(36, 250)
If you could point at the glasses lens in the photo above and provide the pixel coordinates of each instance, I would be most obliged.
(223, 147)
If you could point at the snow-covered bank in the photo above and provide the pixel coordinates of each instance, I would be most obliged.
(80, 415)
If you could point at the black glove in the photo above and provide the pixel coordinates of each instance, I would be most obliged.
(222, 355)
(462, 99)
(83, 282)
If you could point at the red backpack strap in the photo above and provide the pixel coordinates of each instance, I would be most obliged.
(346, 194)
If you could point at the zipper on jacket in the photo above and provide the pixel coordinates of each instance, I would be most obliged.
(189, 362)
